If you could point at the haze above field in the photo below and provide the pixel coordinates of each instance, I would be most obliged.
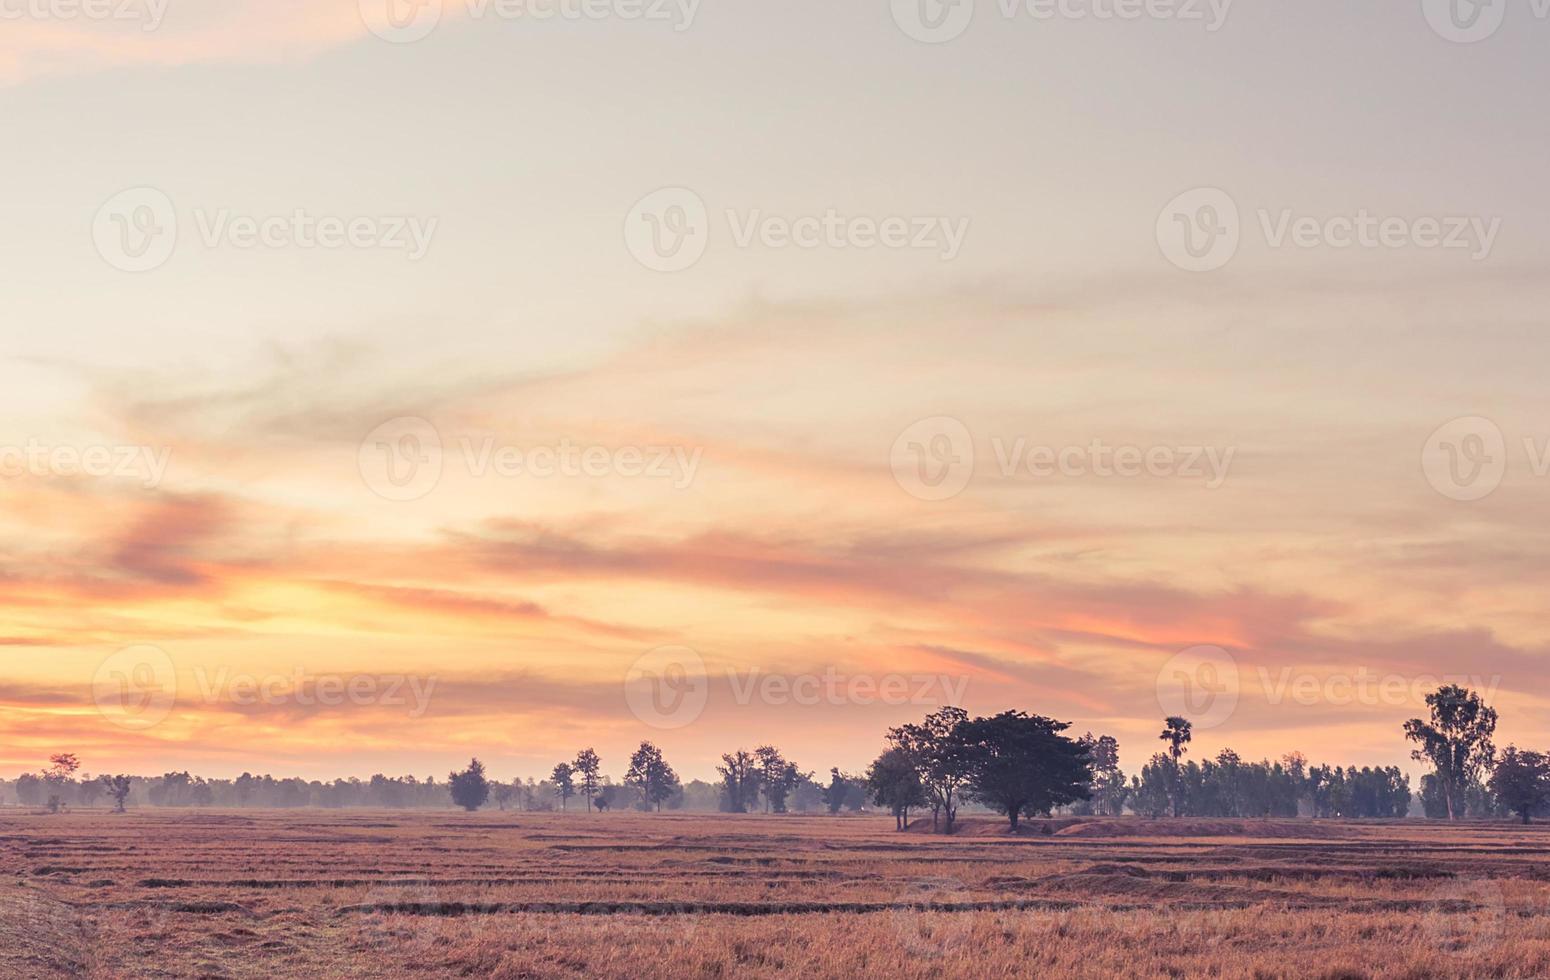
(768, 390)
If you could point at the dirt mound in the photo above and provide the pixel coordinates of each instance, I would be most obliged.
(1189, 827)
(1138, 827)
(998, 827)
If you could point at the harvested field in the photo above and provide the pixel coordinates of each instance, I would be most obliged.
(370, 893)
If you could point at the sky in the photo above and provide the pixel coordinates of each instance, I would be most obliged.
(389, 383)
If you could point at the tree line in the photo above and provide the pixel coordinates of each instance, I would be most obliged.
(1013, 763)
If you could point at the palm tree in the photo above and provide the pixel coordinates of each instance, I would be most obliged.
(1176, 732)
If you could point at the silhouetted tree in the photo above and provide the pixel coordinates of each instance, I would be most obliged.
(835, 794)
(118, 788)
(650, 776)
(1022, 766)
(894, 782)
(1521, 782)
(941, 758)
(777, 777)
(588, 767)
(564, 782)
(1107, 791)
(739, 780)
(502, 793)
(469, 788)
(1457, 742)
(1152, 791)
(61, 768)
(1177, 733)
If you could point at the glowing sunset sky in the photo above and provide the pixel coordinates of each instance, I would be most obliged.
(1292, 504)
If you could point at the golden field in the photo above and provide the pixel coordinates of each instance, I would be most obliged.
(172, 893)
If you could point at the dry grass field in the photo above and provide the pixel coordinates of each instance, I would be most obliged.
(373, 893)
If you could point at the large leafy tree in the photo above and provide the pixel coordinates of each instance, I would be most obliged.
(469, 788)
(1456, 741)
(941, 758)
(1522, 782)
(893, 782)
(739, 780)
(777, 777)
(1108, 790)
(1021, 764)
(650, 776)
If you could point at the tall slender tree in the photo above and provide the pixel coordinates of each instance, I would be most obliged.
(564, 780)
(1456, 741)
(1177, 733)
(589, 767)
(941, 757)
